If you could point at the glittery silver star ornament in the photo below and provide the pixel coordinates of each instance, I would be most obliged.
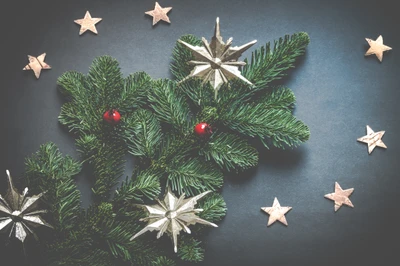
(20, 211)
(173, 215)
(217, 62)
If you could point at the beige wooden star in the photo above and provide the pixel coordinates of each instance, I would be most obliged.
(88, 23)
(373, 139)
(377, 47)
(276, 213)
(340, 196)
(159, 13)
(37, 64)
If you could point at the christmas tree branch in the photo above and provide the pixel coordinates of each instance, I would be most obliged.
(230, 152)
(267, 65)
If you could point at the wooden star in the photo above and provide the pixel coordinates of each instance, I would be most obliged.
(373, 139)
(340, 196)
(276, 213)
(159, 13)
(377, 47)
(37, 64)
(88, 23)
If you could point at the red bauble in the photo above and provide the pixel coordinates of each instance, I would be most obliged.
(112, 116)
(202, 129)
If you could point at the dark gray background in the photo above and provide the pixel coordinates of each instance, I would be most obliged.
(338, 90)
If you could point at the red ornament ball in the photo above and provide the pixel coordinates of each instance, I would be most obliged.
(112, 116)
(202, 129)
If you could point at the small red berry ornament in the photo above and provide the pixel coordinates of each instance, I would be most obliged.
(112, 116)
(202, 129)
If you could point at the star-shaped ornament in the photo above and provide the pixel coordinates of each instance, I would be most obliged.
(276, 213)
(217, 62)
(377, 47)
(37, 64)
(340, 196)
(173, 215)
(20, 212)
(373, 139)
(159, 13)
(87, 23)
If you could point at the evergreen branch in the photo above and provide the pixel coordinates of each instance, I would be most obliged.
(146, 184)
(47, 170)
(258, 121)
(163, 261)
(72, 85)
(170, 106)
(194, 177)
(108, 167)
(230, 152)
(143, 134)
(105, 80)
(136, 87)
(214, 208)
(181, 56)
(201, 94)
(267, 65)
(279, 98)
(190, 250)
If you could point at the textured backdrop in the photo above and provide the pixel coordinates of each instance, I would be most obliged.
(338, 90)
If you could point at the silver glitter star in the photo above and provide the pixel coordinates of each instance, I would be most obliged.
(217, 62)
(173, 215)
(21, 212)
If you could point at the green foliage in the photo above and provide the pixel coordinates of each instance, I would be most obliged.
(146, 184)
(255, 120)
(181, 56)
(230, 152)
(193, 177)
(267, 65)
(190, 250)
(279, 98)
(169, 105)
(214, 208)
(143, 134)
(163, 261)
(47, 170)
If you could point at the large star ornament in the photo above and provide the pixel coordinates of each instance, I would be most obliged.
(340, 196)
(276, 213)
(20, 211)
(173, 215)
(37, 64)
(87, 23)
(377, 47)
(159, 13)
(217, 62)
(373, 139)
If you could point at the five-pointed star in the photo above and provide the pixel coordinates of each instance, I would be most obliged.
(159, 13)
(37, 64)
(377, 47)
(276, 213)
(88, 23)
(373, 139)
(340, 196)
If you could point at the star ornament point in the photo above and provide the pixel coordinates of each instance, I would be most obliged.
(217, 62)
(377, 47)
(20, 212)
(36, 64)
(373, 139)
(159, 13)
(276, 213)
(87, 23)
(172, 215)
(340, 197)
